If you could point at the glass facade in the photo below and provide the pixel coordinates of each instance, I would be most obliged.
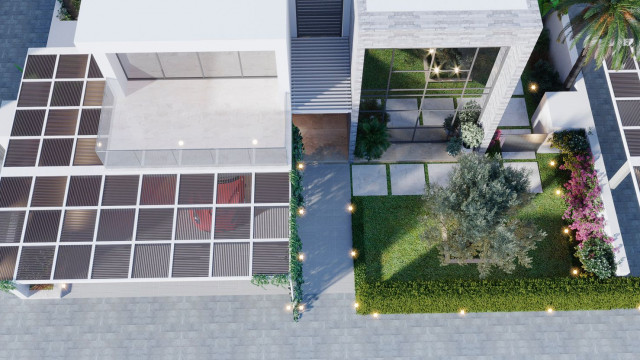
(187, 65)
(415, 90)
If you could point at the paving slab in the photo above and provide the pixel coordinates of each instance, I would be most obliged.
(519, 91)
(402, 112)
(515, 114)
(439, 173)
(515, 132)
(407, 179)
(518, 155)
(369, 180)
(535, 183)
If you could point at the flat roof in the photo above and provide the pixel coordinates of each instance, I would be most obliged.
(186, 20)
(199, 114)
(451, 5)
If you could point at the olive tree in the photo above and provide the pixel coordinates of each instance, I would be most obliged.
(473, 218)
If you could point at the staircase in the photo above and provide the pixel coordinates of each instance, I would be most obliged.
(319, 17)
(320, 75)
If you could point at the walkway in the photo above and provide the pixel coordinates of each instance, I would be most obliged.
(258, 327)
(24, 24)
(325, 231)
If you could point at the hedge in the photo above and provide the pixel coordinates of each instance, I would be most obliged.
(563, 294)
(295, 243)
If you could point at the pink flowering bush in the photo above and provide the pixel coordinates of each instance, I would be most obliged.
(584, 205)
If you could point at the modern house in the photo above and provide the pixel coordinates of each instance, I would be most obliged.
(156, 145)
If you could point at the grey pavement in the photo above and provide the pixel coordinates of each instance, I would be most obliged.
(369, 180)
(259, 327)
(24, 24)
(515, 114)
(407, 179)
(325, 231)
(439, 173)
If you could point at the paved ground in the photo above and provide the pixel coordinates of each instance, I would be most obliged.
(515, 114)
(407, 179)
(439, 173)
(258, 327)
(24, 24)
(325, 230)
(369, 180)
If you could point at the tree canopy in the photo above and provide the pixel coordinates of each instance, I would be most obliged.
(473, 219)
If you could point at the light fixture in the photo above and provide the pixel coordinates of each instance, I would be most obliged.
(575, 272)
(436, 70)
(375, 315)
(301, 166)
(638, 307)
(254, 141)
(301, 211)
(552, 163)
(456, 70)
(533, 87)
(351, 208)
(180, 143)
(558, 192)
(432, 51)
(288, 307)
(356, 305)
(301, 307)
(565, 230)
(63, 286)
(301, 256)
(99, 144)
(550, 310)
(463, 311)
(353, 253)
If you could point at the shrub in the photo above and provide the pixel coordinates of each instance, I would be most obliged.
(372, 138)
(454, 146)
(295, 243)
(451, 126)
(564, 294)
(472, 134)
(546, 77)
(69, 9)
(597, 257)
(571, 141)
(7, 285)
(472, 218)
(470, 112)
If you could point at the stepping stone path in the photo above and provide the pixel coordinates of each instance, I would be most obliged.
(439, 173)
(407, 179)
(515, 114)
(402, 112)
(369, 180)
(436, 110)
(535, 183)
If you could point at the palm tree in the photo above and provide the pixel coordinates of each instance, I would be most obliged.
(607, 28)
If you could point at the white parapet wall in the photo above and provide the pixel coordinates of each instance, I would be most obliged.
(572, 110)
(61, 33)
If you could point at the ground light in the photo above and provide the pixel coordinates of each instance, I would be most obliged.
(550, 310)
(351, 208)
(436, 70)
(353, 253)
(356, 305)
(288, 307)
(463, 312)
(301, 256)
(533, 87)
(552, 163)
(575, 272)
(254, 141)
(375, 315)
(558, 192)
(301, 307)
(63, 286)
(300, 166)
(565, 230)
(301, 211)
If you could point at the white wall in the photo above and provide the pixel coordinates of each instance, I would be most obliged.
(562, 55)
(61, 33)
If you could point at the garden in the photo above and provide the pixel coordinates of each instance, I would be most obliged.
(554, 255)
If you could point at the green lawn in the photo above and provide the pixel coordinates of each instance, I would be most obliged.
(387, 232)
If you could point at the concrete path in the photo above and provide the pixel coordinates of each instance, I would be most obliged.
(369, 180)
(515, 114)
(259, 327)
(439, 173)
(407, 179)
(535, 183)
(24, 24)
(325, 231)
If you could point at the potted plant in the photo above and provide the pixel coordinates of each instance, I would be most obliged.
(472, 135)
